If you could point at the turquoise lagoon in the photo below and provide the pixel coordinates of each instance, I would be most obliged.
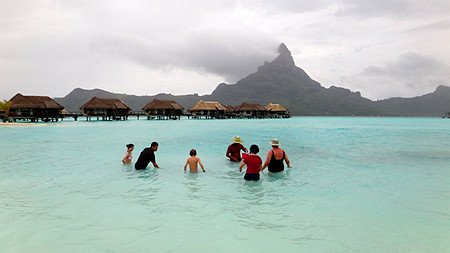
(357, 185)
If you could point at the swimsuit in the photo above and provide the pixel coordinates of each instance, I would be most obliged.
(276, 165)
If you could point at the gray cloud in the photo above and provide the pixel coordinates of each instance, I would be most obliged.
(392, 8)
(414, 70)
(290, 6)
(230, 53)
(441, 25)
(145, 47)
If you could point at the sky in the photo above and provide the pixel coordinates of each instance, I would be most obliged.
(383, 48)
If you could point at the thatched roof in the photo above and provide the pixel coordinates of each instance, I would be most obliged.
(157, 104)
(34, 102)
(230, 108)
(105, 103)
(276, 108)
(207, 106)
(250, 107)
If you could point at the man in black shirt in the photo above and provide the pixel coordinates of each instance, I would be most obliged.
(147, 155)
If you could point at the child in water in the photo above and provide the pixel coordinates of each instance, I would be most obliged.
(193, 162)
(253, 162)
(128, 155)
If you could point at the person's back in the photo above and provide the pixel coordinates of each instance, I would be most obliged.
(275, 158)
(234, 150)
(193, 162)
(253, 162)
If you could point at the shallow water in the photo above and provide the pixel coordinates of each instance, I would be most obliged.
(357, 185)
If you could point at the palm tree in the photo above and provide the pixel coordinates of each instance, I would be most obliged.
(5, 106)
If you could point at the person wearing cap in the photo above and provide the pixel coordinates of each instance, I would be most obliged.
(234, 150)
(275, 158)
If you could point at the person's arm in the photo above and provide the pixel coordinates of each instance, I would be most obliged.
(185, 166)
(125, 158)
(244, 149)
(287, 160)
(201, 165)
(153, 160)
(228, 154)
(241, 166)
(269, 156)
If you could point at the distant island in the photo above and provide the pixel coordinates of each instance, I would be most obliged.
(281, 81)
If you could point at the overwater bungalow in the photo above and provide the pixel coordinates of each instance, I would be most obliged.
(208, 109)
(249, 110)
(163, 109)
(277, 111)
(230, 111)
(34, 108)
(106, 109)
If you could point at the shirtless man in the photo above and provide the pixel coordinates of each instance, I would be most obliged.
(193, 162)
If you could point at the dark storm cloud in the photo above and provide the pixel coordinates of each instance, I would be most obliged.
(230, 53)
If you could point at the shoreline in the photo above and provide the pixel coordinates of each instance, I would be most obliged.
(12, 124)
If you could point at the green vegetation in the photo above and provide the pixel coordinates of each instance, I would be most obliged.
(4, 109)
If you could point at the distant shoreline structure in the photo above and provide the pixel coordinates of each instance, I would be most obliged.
(43, 108)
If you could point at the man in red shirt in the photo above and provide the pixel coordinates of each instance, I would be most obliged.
(234, 150)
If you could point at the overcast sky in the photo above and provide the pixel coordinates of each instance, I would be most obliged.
(382, 48)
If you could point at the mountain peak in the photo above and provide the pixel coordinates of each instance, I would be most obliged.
(284, 61)
(282, 49)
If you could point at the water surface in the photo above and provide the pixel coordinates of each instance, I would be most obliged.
(357, 185)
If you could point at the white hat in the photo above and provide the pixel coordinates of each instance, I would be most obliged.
(275, 142)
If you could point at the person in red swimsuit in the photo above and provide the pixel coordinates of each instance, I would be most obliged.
(234, 150)
(129, 154)
(253, 162)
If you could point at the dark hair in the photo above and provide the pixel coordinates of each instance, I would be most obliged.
(154, 144)
(193, 152)
(254, 149)
(130, 145)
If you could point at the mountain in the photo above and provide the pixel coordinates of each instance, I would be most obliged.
(434, 104)
(281, 81)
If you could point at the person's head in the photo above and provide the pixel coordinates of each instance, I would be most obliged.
(254, 149)
(275, 143)
(193, 152)
(154, 146)
(130, 147)
(237, 139)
